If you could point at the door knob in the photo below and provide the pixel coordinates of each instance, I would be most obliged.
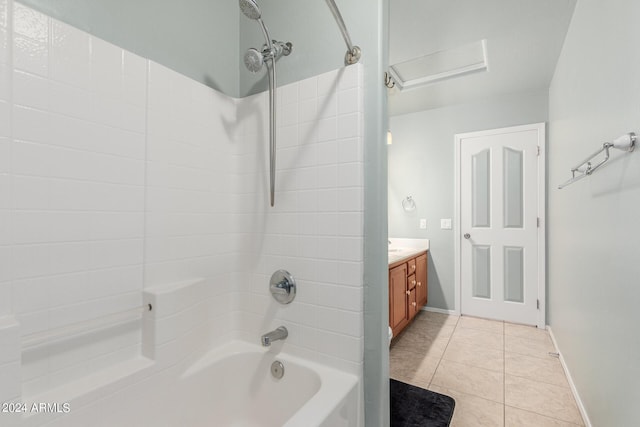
(467, 236)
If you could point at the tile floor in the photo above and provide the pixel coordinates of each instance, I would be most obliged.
(500, 374)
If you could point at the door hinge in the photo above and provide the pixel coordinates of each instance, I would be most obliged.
(538, 222)
(538, 150)
(538, 304)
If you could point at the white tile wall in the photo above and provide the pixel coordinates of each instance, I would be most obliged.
(9, 358)
(315, 229)
(5, 165)
(75, 176)
(189, 199)
(117, 174)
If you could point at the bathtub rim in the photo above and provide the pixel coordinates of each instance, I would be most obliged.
(335, 385)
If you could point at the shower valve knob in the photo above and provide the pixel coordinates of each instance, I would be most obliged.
(282, 286)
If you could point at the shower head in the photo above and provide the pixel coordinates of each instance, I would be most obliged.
(253, 60)
(250, 9)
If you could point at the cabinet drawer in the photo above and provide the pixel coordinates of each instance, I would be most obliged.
(411, 266)
(411, 281)
(413, 304)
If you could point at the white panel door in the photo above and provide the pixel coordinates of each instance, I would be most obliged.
(499, 205)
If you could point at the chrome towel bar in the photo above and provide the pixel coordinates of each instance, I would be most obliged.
(626, 142)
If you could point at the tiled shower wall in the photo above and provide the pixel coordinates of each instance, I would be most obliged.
(315, 229)
(189, 195)
(75, 192)
(118, 174)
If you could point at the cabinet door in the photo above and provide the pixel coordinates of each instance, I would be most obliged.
(398, 307)
(421, 280)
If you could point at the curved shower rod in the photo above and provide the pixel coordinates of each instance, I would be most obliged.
(353, 52)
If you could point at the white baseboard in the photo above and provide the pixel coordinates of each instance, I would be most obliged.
(438, 310)
(574, 390)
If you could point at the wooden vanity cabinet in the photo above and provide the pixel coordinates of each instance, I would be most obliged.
(407, 290)
(421, 280)
(398, 298)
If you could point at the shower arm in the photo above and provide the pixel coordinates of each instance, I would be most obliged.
(353, 52)
(267, 37)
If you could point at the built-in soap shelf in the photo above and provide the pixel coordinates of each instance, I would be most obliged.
(168, 330)
(77, 330)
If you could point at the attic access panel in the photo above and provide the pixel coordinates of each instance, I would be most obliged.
(439, 66)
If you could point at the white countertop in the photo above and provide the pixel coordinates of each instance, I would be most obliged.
(405, 248)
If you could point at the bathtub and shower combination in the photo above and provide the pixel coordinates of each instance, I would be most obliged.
(170, 369)
(261, 385)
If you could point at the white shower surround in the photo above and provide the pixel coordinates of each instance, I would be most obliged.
(118, 175)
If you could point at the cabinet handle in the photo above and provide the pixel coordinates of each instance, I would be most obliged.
(413, 282)
(408, 292)
(413, 304)
(413, 267)
(419, 284)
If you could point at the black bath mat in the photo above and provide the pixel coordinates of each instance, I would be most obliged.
(413, 406)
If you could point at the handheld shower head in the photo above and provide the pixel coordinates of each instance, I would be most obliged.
(254, 60)
(250, 9)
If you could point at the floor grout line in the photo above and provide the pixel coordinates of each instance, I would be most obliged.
(504, 377)
(443, 352)
(458, 325)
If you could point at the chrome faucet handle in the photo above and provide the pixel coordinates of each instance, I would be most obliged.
(282, 286)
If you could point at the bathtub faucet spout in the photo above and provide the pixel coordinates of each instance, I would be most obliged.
(275, 335)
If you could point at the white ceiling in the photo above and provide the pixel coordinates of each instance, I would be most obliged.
(524, 39)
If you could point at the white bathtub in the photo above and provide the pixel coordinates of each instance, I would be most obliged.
(233, 386)
(230, 386)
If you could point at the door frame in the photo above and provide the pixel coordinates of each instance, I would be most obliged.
(542, 202)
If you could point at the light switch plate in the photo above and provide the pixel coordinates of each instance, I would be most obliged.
(445, 223)
(423, 223)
